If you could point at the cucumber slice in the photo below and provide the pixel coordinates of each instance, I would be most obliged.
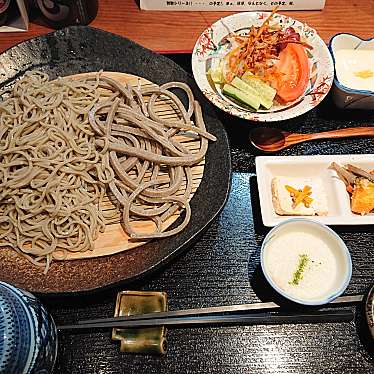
(266, 97)
(238, 83)
(216, 74)
(244, 97)
(266, 92)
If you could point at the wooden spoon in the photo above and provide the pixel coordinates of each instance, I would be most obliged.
(269, 139)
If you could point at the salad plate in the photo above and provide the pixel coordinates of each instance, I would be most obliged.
(317, 172)
(216, 42)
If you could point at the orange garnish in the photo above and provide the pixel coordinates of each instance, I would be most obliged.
(300, 196)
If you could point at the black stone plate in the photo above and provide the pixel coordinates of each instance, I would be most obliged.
(83, 49)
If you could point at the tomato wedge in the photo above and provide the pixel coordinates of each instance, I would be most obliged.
(293, 67)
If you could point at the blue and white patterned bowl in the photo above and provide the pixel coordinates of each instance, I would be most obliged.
(343, 96)
(28, 335)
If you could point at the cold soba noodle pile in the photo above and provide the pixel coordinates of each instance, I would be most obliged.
(65, 143)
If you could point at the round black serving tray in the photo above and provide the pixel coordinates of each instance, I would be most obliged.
(81, 49)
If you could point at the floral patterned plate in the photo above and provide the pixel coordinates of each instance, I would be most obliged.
(212, 45)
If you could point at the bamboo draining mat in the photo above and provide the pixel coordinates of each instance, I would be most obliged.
(115, 239)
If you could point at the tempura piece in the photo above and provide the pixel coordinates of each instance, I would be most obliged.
(360, 185)
(362, 201)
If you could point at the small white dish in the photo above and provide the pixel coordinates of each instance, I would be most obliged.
(211, 44)
(306, 262)
(338, 199)
(350, 91)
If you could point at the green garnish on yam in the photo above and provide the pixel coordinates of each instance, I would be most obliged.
(298, 274)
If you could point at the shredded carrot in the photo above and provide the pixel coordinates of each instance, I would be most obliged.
(266, 23)
(258, 49)
(349, 188)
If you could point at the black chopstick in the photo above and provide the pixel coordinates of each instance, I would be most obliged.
(260, 307)
(248, 319)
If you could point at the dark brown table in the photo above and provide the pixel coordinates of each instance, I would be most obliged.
(223, 266)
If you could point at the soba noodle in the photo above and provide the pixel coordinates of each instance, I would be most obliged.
(65, 143)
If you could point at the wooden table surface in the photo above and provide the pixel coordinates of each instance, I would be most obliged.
(173, 32)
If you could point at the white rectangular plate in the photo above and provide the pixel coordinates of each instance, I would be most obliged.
(339, 211)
